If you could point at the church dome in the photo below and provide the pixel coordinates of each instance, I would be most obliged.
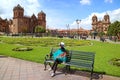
(41, 13)
(0, 18)
(94, 16)
(18, 7)
(106, 16)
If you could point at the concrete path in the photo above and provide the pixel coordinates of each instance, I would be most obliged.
(17, 69)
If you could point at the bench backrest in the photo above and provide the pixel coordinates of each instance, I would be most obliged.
(82, 59)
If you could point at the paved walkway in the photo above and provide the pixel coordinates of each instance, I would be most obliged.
(17, 69)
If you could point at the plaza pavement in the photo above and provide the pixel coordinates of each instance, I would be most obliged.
(17, 69)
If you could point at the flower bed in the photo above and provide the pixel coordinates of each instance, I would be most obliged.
(22, 49)
(115, 61)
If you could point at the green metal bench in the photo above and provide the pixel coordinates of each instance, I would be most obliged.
(77, 59)
(83, 60)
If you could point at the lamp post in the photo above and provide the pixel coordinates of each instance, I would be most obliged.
(67, 25)
(78, 22)
(47, 30)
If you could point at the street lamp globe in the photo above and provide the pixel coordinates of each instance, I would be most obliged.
(78, 22)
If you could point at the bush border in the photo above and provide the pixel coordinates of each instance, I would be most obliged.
(115, 61)
(22, 49)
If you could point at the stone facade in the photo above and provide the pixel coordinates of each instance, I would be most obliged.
(25, 24)
(100, 25)
(4, 25)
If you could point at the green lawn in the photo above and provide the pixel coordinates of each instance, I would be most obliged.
(41, 46)
(104, 53)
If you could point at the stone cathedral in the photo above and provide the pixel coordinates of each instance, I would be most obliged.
(21, 23)
(100, 25)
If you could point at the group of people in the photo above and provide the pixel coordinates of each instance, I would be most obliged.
(59, 56)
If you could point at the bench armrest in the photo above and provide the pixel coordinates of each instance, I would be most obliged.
(47, 57)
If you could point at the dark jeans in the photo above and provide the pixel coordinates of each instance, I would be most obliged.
(55, 64)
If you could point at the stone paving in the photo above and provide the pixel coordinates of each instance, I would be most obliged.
(17, 69)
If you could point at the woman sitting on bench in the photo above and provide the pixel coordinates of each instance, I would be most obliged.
(59, 56)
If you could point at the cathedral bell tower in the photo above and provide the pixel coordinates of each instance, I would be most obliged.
(106, 18)
(42, 19)
(94, 22)
(18, 12)
(94, 19)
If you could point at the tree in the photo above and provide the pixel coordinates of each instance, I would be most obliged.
(24, 29)
(101, 34)
(40, 29)
(114, 29)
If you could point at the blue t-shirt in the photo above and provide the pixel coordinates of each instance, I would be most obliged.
(57, 55)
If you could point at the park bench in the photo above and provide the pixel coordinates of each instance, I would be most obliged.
(79, 59)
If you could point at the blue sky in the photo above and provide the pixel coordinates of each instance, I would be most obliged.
(62, 12)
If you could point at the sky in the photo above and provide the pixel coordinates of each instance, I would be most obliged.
(60, 13)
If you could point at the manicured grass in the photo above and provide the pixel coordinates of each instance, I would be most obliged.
(41, 46)
(36, 55)
(104, 53)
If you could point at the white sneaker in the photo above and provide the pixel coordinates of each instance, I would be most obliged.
(52, 74)
(63, 62)
(49, 69)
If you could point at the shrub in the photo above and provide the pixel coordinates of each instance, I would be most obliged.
(115, 61)
(22, 49)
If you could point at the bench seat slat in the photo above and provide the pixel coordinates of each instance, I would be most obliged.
(82, 57)
(84, 64)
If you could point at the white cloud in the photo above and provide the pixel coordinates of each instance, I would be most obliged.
(58, 22)
(114, 15)
(108, 1)
(55, 19)
(86, 23)
(30, 7)
(85, 2)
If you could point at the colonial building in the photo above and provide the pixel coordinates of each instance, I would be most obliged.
(4, 25)
(100, 25)
(70, 32)
(21, 23)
